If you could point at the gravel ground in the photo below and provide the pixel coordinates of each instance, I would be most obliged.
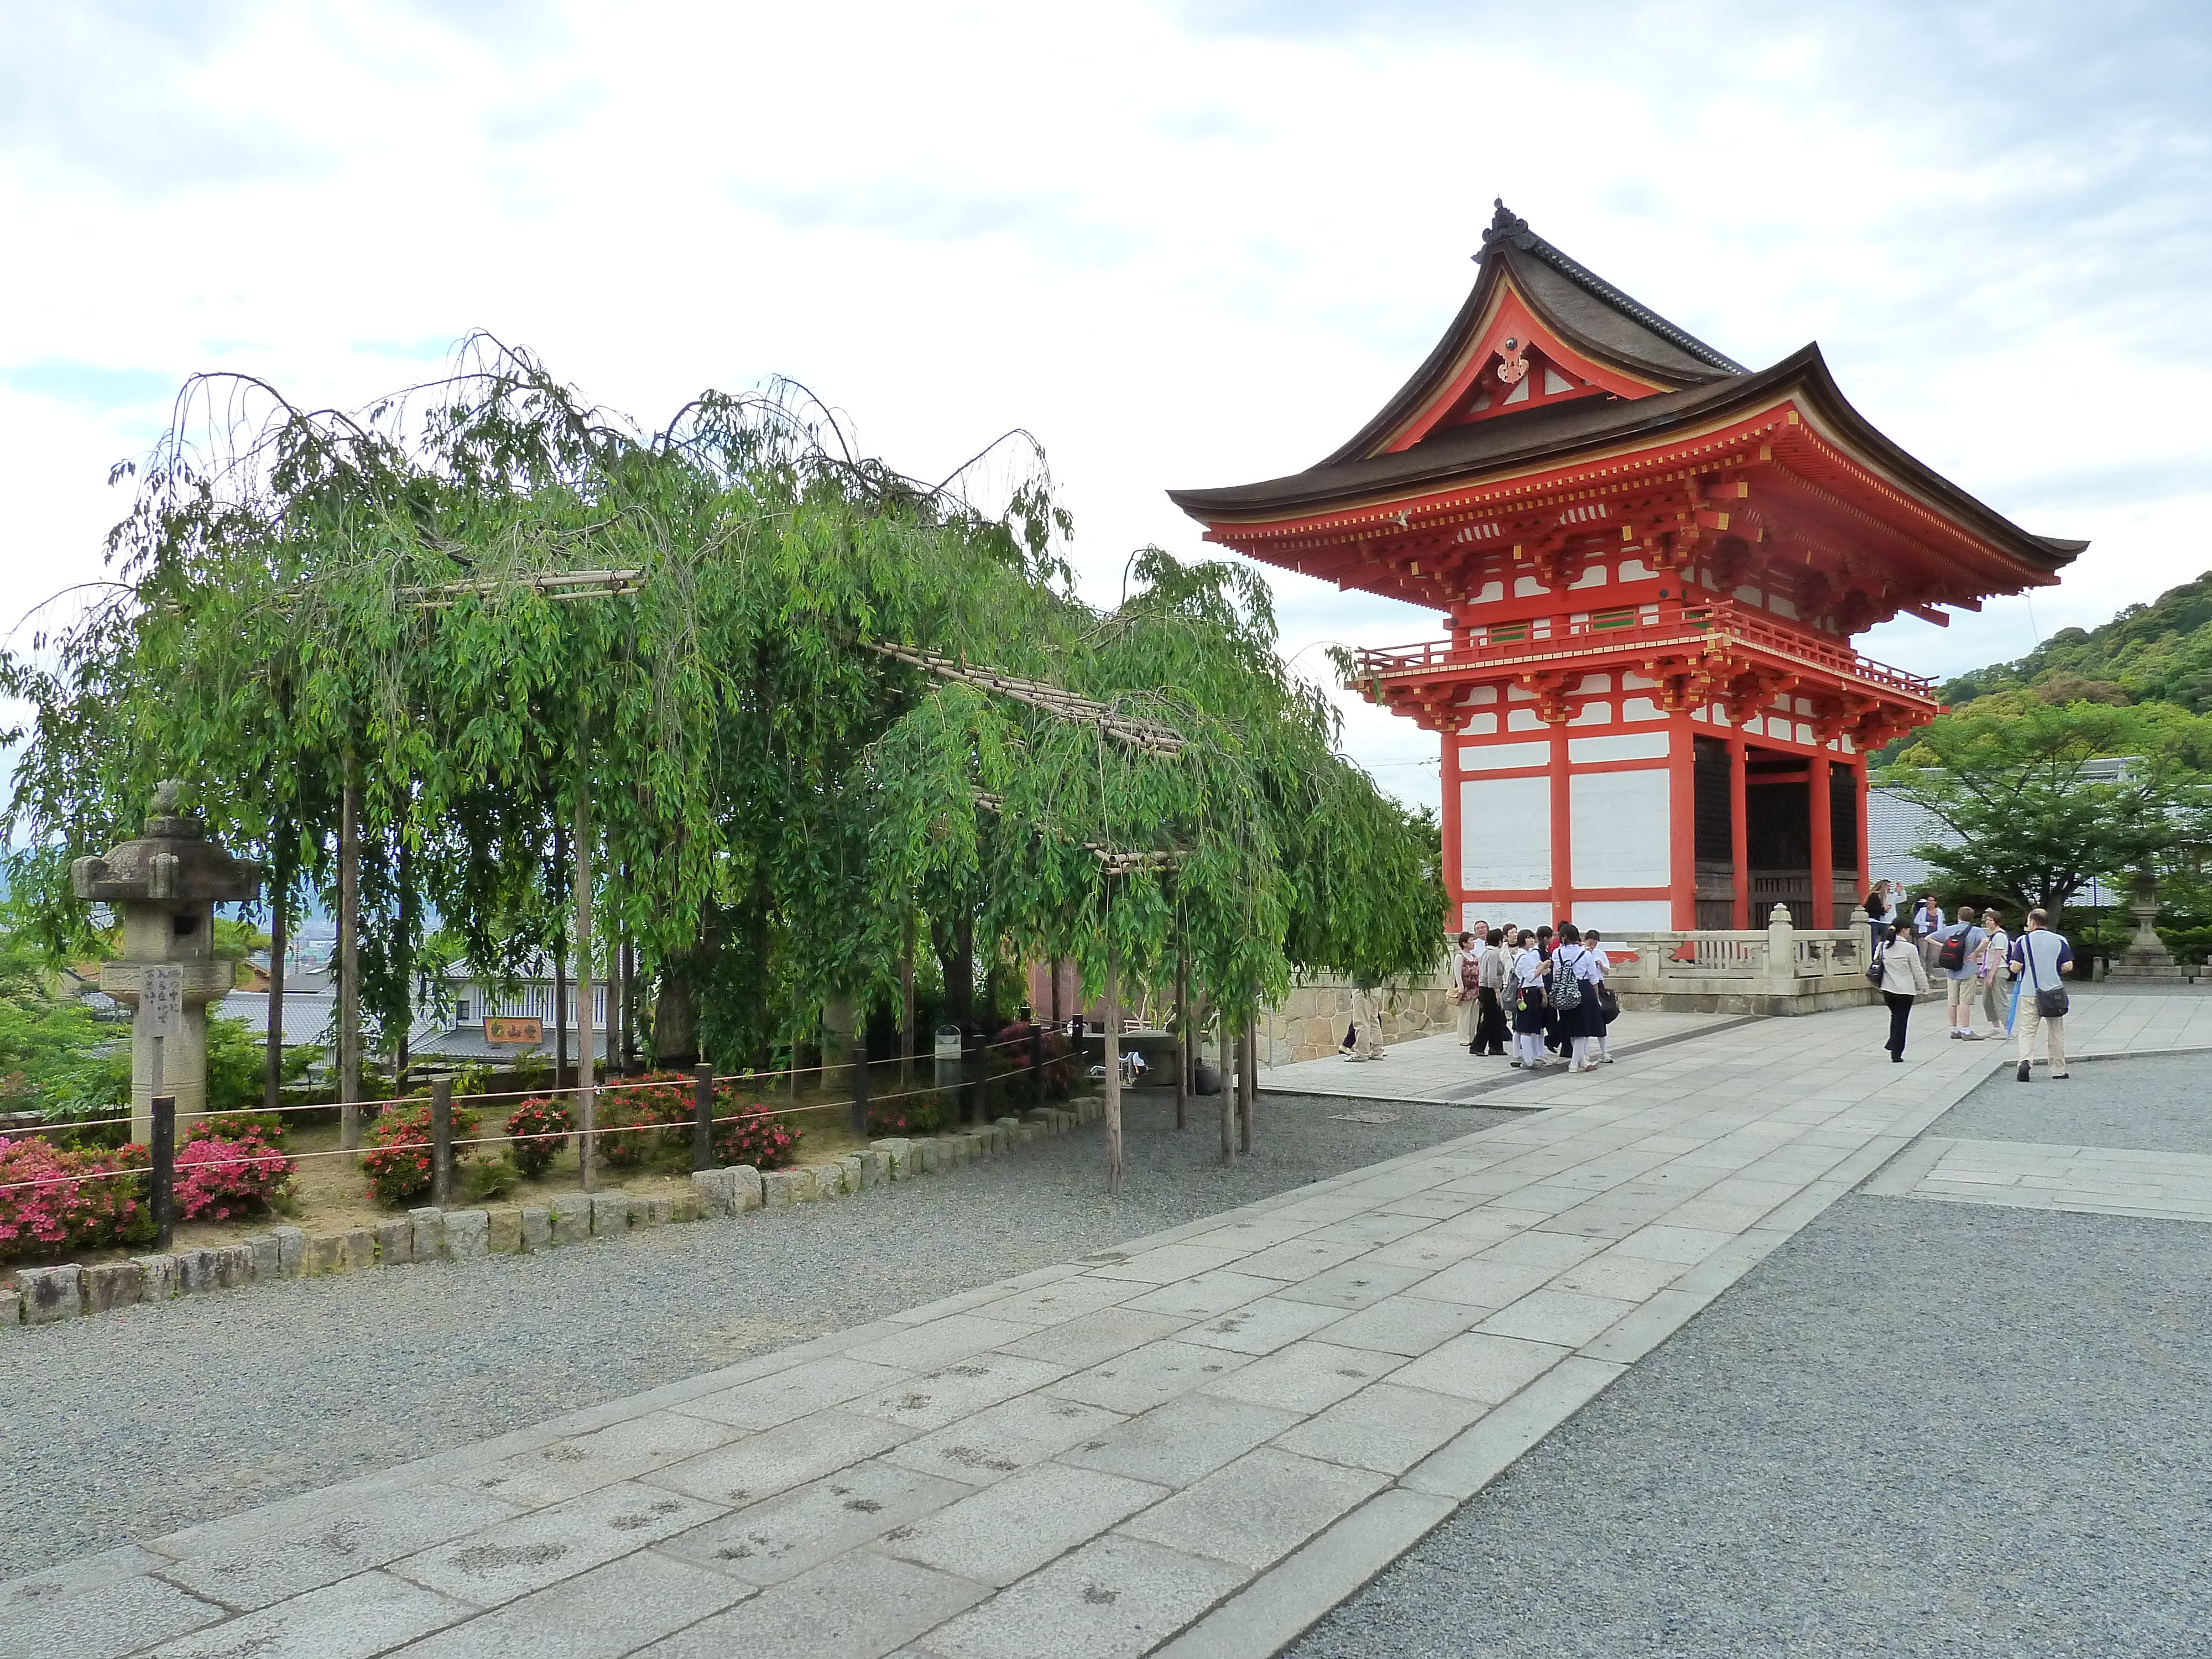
(134, 1423)
(2156, 1103)
(1862, 1449)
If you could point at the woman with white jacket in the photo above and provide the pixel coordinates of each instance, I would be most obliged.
(1904, 977)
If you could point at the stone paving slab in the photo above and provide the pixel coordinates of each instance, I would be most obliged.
(1203, 1438)
(2033, 1175)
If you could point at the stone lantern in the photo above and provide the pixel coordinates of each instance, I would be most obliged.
(164, 886)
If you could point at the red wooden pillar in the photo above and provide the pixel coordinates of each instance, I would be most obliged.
(1562, 845)
(1455, 882)
(1739, 831)
(1824, 841)
(1682, 820)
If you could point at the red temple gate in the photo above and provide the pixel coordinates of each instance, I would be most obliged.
(1651, 562)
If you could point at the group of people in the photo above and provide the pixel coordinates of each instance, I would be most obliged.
(2018, 981)
(1544, 989)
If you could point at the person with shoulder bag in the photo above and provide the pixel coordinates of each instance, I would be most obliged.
(1904, 977)
(2040, 955)
(1530, 1009)
(1491, 1030)
(1467, 985)
(1608, 1003)
(1575, 982)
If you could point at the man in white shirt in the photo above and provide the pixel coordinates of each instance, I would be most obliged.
(2039, 958)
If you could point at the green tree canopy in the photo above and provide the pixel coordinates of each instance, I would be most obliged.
(487, 598)
(2015, 779)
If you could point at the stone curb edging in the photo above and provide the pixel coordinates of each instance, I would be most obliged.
(44, 1295)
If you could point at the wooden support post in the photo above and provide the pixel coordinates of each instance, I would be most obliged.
(1248, 1079)
(1112, 1020)
(164, 1107)
(280, 945)
(1819, 807)
(441, 1142)
(910, 1039)
(1182, 1037)
(1037, 1063)
(702, 1117)
(1740, 832)
(349, 1009)
(587, 1095)
(860, 1060)
(1228, 1090)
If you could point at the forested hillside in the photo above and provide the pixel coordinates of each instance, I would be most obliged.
(2156, 653)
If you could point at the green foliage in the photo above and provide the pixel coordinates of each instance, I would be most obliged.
(2156, 653)
(2010, 775)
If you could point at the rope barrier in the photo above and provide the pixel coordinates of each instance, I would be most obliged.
(674, 1079)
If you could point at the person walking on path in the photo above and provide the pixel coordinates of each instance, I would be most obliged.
(2040, 955)
(1881, 914)
(1607, 1000)
(1958, 951)
(1366, 1022)
(1466, 988)
(1491, 1030)
(1530, 1007)
(1904, 977)
(1574, 986)
(1927, 919)
(1993, 970)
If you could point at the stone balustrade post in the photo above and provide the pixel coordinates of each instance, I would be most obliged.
(1781, 952)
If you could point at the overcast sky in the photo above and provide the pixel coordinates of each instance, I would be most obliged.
(1184, 245)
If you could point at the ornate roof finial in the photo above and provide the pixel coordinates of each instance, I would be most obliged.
(167, 793)
(1503, 223)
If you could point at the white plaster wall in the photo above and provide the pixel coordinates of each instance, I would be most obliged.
(1613, 917)
(1629, 745)
(1505, 834)
(1619, 832)
(1504, 756)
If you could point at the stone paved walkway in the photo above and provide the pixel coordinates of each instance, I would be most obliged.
(2031, 1175)
(1194, 1445)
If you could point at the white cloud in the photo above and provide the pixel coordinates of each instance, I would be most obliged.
(1184, 246)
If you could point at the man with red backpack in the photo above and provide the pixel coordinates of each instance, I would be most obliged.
(1955, 950)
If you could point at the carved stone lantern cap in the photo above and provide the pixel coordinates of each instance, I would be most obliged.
(172, 862)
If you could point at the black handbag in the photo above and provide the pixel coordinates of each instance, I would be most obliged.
(1609, 1004)
(2051, 1002)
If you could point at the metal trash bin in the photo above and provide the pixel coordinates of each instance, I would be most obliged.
(947, 1057)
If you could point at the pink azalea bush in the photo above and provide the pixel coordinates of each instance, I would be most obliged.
(52, 1200)
(224, 1172)
(755, 1135)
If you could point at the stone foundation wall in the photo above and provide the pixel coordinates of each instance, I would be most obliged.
(1308, 1023)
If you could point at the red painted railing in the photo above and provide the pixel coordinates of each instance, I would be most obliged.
(1644, 628)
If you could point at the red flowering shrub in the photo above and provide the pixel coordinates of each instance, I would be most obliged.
(398, 1161)
(540, 1128)
(52, 1200)
(642, 1117)
(222, 1176)
(922, 1112)
(755, 1136)
(237, 1125)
